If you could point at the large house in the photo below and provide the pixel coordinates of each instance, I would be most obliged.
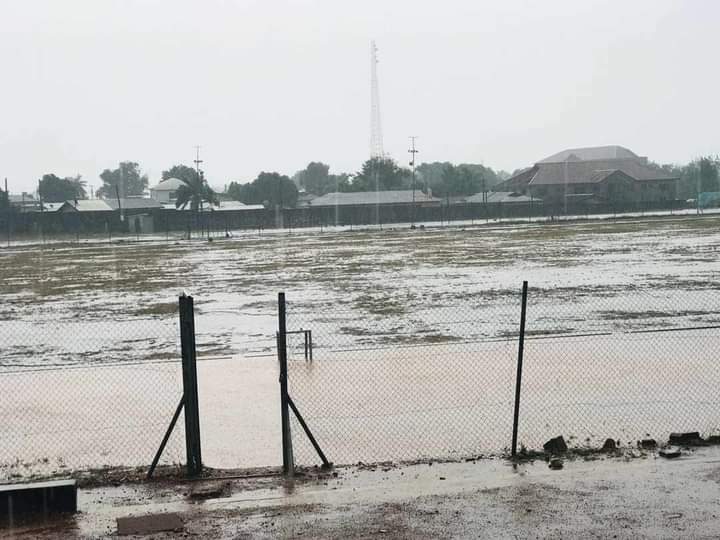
(603, 175)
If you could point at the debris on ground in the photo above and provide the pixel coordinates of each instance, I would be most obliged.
(555, 446)
(149, 524)
(556, 464)
(691, 438)
(647, 444)
(670, 452)
(209, 490)
(609, 445)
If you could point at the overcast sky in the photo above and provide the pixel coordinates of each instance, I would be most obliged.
(272, 85)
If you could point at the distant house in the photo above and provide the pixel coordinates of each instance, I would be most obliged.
(373, 207)
(304, 198)
(165, 192)
(596, 175)
(375, 198)
(24, 202)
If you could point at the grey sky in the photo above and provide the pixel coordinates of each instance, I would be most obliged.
(273, 85)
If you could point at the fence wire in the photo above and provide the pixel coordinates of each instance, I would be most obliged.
(87, 393)
(434, 379)
(625, 363)
(403, 382)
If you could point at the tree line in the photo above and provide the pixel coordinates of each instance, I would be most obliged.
(698, 176)
(439, 179)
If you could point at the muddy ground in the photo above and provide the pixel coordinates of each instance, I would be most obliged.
(629, 495)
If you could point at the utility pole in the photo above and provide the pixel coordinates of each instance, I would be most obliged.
(566, 187)
(9, 212)
(197, 162)
(42, 213)
(412, 152)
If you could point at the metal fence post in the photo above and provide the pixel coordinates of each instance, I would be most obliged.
(288, 465)
(518, 381)
(190, 389)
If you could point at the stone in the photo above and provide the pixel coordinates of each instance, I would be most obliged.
(609, 446)
(555, 446)
(556, 464)
(647, 444)
(689, 438)
(670, 452)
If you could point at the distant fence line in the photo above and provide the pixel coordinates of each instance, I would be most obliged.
(159, 221)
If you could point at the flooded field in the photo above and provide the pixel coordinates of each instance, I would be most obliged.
(378, 302)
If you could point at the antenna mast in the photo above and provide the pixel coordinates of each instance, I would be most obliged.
(376, 139)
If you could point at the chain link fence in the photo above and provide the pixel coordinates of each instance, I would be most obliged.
(86, 392)
(434, 378)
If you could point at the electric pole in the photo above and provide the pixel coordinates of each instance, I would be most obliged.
(412, 152)
(197, 162)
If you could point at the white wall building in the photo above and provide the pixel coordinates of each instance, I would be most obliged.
(166, 191)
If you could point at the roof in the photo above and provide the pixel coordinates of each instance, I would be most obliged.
(590, 172)
(21, 197)
(229, 206)
(504, 197)
(591, 153)
(50, 206)
(360, 198)
(132, 203)
(170, 184)
(86, 205)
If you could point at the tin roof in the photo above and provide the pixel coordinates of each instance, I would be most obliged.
(361, 198)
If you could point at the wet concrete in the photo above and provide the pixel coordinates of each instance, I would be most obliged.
(633, 495)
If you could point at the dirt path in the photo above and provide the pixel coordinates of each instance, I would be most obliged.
(644, 496)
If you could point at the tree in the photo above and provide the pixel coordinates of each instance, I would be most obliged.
(464, 179)
(381, 174)
(316, 179)
(128, 179)
(80, 186)
(194, 192)
(708, 171)
(182, 172)
(269, 189)
(52, 188)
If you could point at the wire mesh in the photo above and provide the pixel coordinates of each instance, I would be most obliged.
(626, 363)
(435, 380)
(86, 393)
(405, 381)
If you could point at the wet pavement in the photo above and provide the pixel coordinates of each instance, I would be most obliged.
(632, 494)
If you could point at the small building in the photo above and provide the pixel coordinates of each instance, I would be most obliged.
(24, 202)
(374, 198)
(165, 192)
(367, 207)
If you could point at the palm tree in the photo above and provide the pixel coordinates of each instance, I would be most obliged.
(194, 192)
(80, 186)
